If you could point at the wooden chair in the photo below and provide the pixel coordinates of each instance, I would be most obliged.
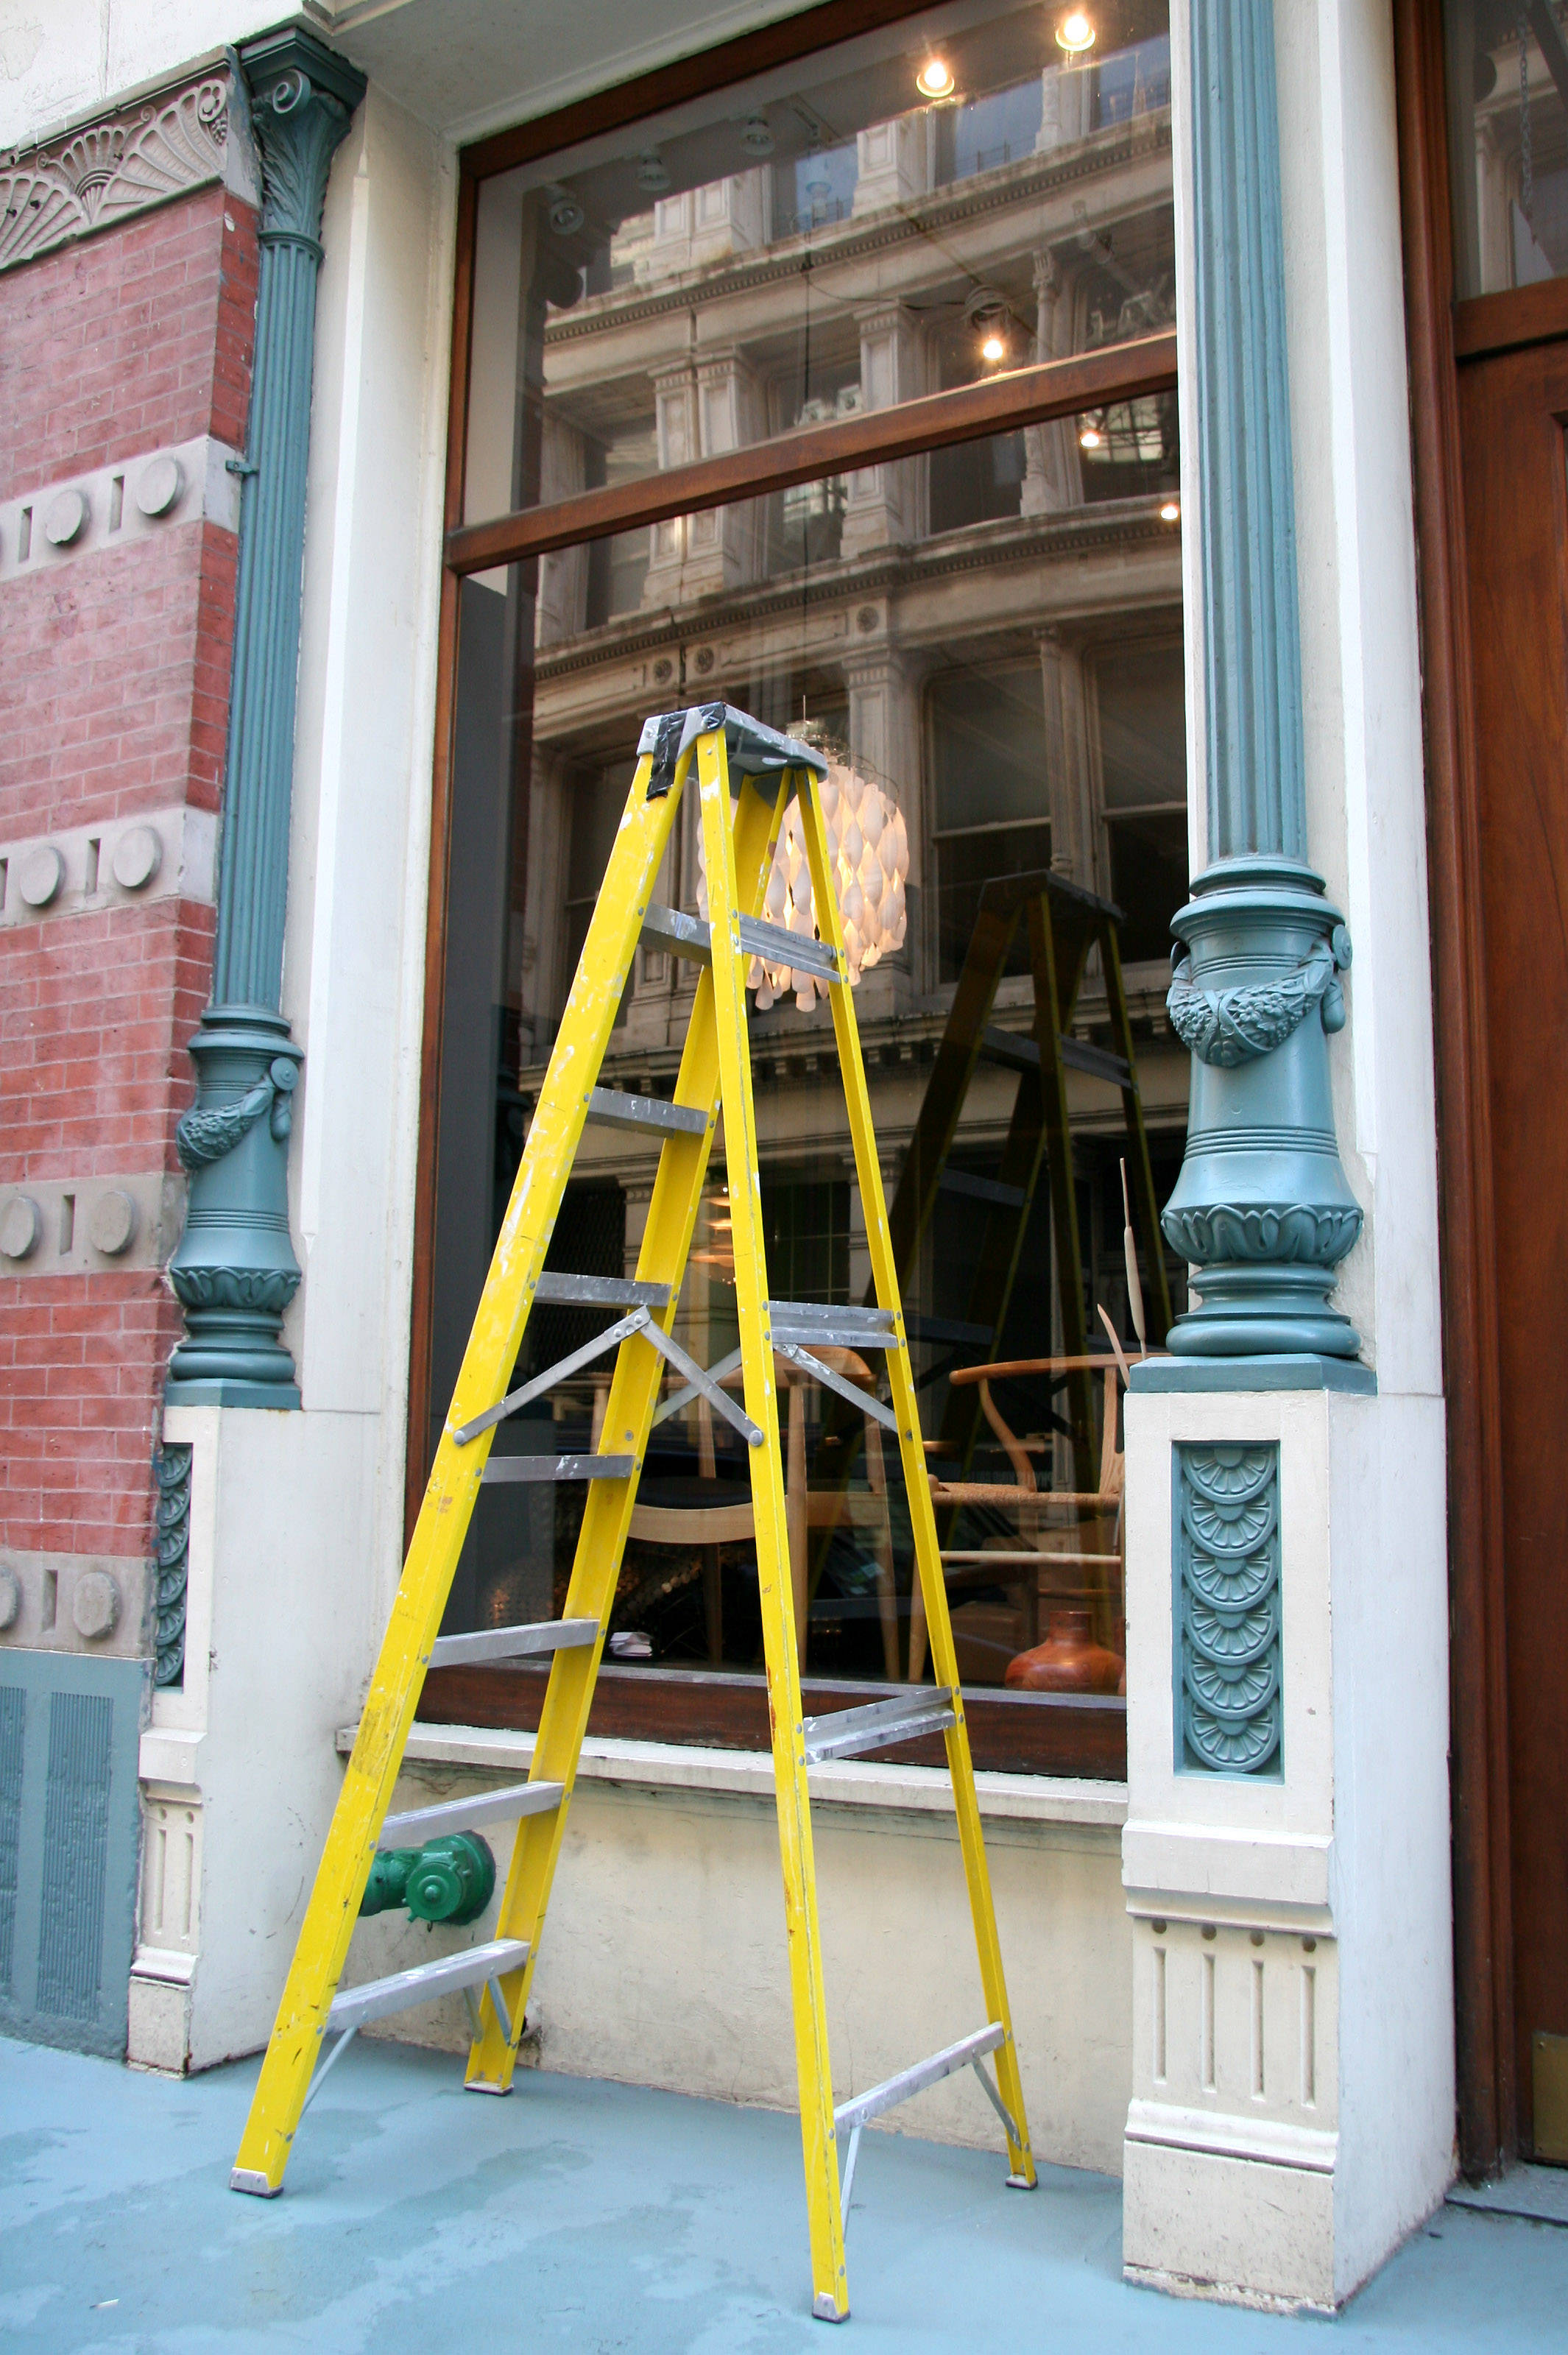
(708, 1527)
(1029, 1567)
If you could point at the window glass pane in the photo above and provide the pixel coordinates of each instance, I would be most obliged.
(1003, 693)
(1507, 71)
(819, 240)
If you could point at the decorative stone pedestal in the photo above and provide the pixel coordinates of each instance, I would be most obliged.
(1286, 1855)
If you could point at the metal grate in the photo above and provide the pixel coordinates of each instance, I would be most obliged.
(76, 1823)
(13, 1716)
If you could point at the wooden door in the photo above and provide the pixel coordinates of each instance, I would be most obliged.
(1513, 414)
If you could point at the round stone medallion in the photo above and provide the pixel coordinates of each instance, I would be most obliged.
(95, 1606)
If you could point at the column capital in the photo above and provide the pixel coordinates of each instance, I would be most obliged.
(303, 98)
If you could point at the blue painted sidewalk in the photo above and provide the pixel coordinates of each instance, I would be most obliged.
(608, 2221)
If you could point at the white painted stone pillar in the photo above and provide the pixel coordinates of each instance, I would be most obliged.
(892, 163)
(703, 408)
(1068, 766)
(1286, 1851)
(886, 504)
(1053, 470)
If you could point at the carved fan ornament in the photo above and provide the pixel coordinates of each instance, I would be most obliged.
(103, 174)
(1228, 1609)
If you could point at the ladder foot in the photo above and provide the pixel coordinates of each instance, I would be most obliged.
(1023, 2183)
(480, 2085)
(826, 2308)
(252, 2179)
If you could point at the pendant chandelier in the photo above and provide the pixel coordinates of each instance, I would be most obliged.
(867, 844)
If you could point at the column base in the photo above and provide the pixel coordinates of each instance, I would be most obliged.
(1248, 1310)
(282, 1395)
(1250, 2231)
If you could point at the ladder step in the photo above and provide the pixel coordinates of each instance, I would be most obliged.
(981, 1189)
(447, 1976)
(599, 1292)
(516, 1643)
(462, 1815)
(948, 1329)
(613, 1110)
(502, 1469)
(1010, 1046)
(679, 934)
(1000, 1046)
(1097, 1061)
(847, 1732)
(894, 2090)
(844, 1327)
(779, 945)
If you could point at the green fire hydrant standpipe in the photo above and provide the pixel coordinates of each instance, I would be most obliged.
(449, 1879)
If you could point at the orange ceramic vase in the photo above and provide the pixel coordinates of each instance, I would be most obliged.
(1068, 1661)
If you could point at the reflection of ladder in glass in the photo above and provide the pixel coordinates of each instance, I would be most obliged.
(731, 753)
(1064, 923)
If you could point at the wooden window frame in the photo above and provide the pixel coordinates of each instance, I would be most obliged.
(1059, 1735)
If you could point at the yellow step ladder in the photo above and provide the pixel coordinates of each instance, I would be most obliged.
(746, 773)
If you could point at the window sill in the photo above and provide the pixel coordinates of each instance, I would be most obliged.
(749, 1773)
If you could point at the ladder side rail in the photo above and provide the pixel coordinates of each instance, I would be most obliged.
(830, 2295)
(447, 1507)
(1145, 1206)
(928, 1559)
(1057, 955)
(633, 1396)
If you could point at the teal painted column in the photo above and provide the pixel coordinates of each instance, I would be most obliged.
(1261, 1208)
(235, 1270)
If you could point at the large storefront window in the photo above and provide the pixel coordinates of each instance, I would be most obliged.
(985, 631)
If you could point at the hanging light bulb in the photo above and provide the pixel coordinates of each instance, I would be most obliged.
(1171, 511)
(993, 349)
(1076, 34)
(934, 79)
(1091, 437)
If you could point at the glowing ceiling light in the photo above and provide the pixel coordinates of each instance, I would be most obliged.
(1076, 34)
(1171, 511)
(993, 349)
(1091, 437)
(934, 79)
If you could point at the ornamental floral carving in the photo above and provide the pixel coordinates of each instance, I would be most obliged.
(1227, 1603)
(1227, 1027)
(104, 174)
(1253, 1233)
(207, 1134)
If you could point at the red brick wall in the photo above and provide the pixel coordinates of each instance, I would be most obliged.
(114, 700)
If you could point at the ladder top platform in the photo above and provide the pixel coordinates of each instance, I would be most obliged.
(752, 749)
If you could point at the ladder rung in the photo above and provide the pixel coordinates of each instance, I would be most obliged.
(515, 1643)
(948, 1329)
(599, 1292)
(844, 1327)
(672, 929)
(461, 1815)
(894, 2090)
(1010, 1046)
(1097, 1061)
(781, 947)
(846, 1733)
(501, 1469)
(981, 1189)
(446, 1976)
(611, 1109)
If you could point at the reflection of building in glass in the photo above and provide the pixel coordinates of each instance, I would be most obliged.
(992, 630)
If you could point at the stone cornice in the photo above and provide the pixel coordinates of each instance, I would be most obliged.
(107, 171)
(851, 240)
(1118, 525)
